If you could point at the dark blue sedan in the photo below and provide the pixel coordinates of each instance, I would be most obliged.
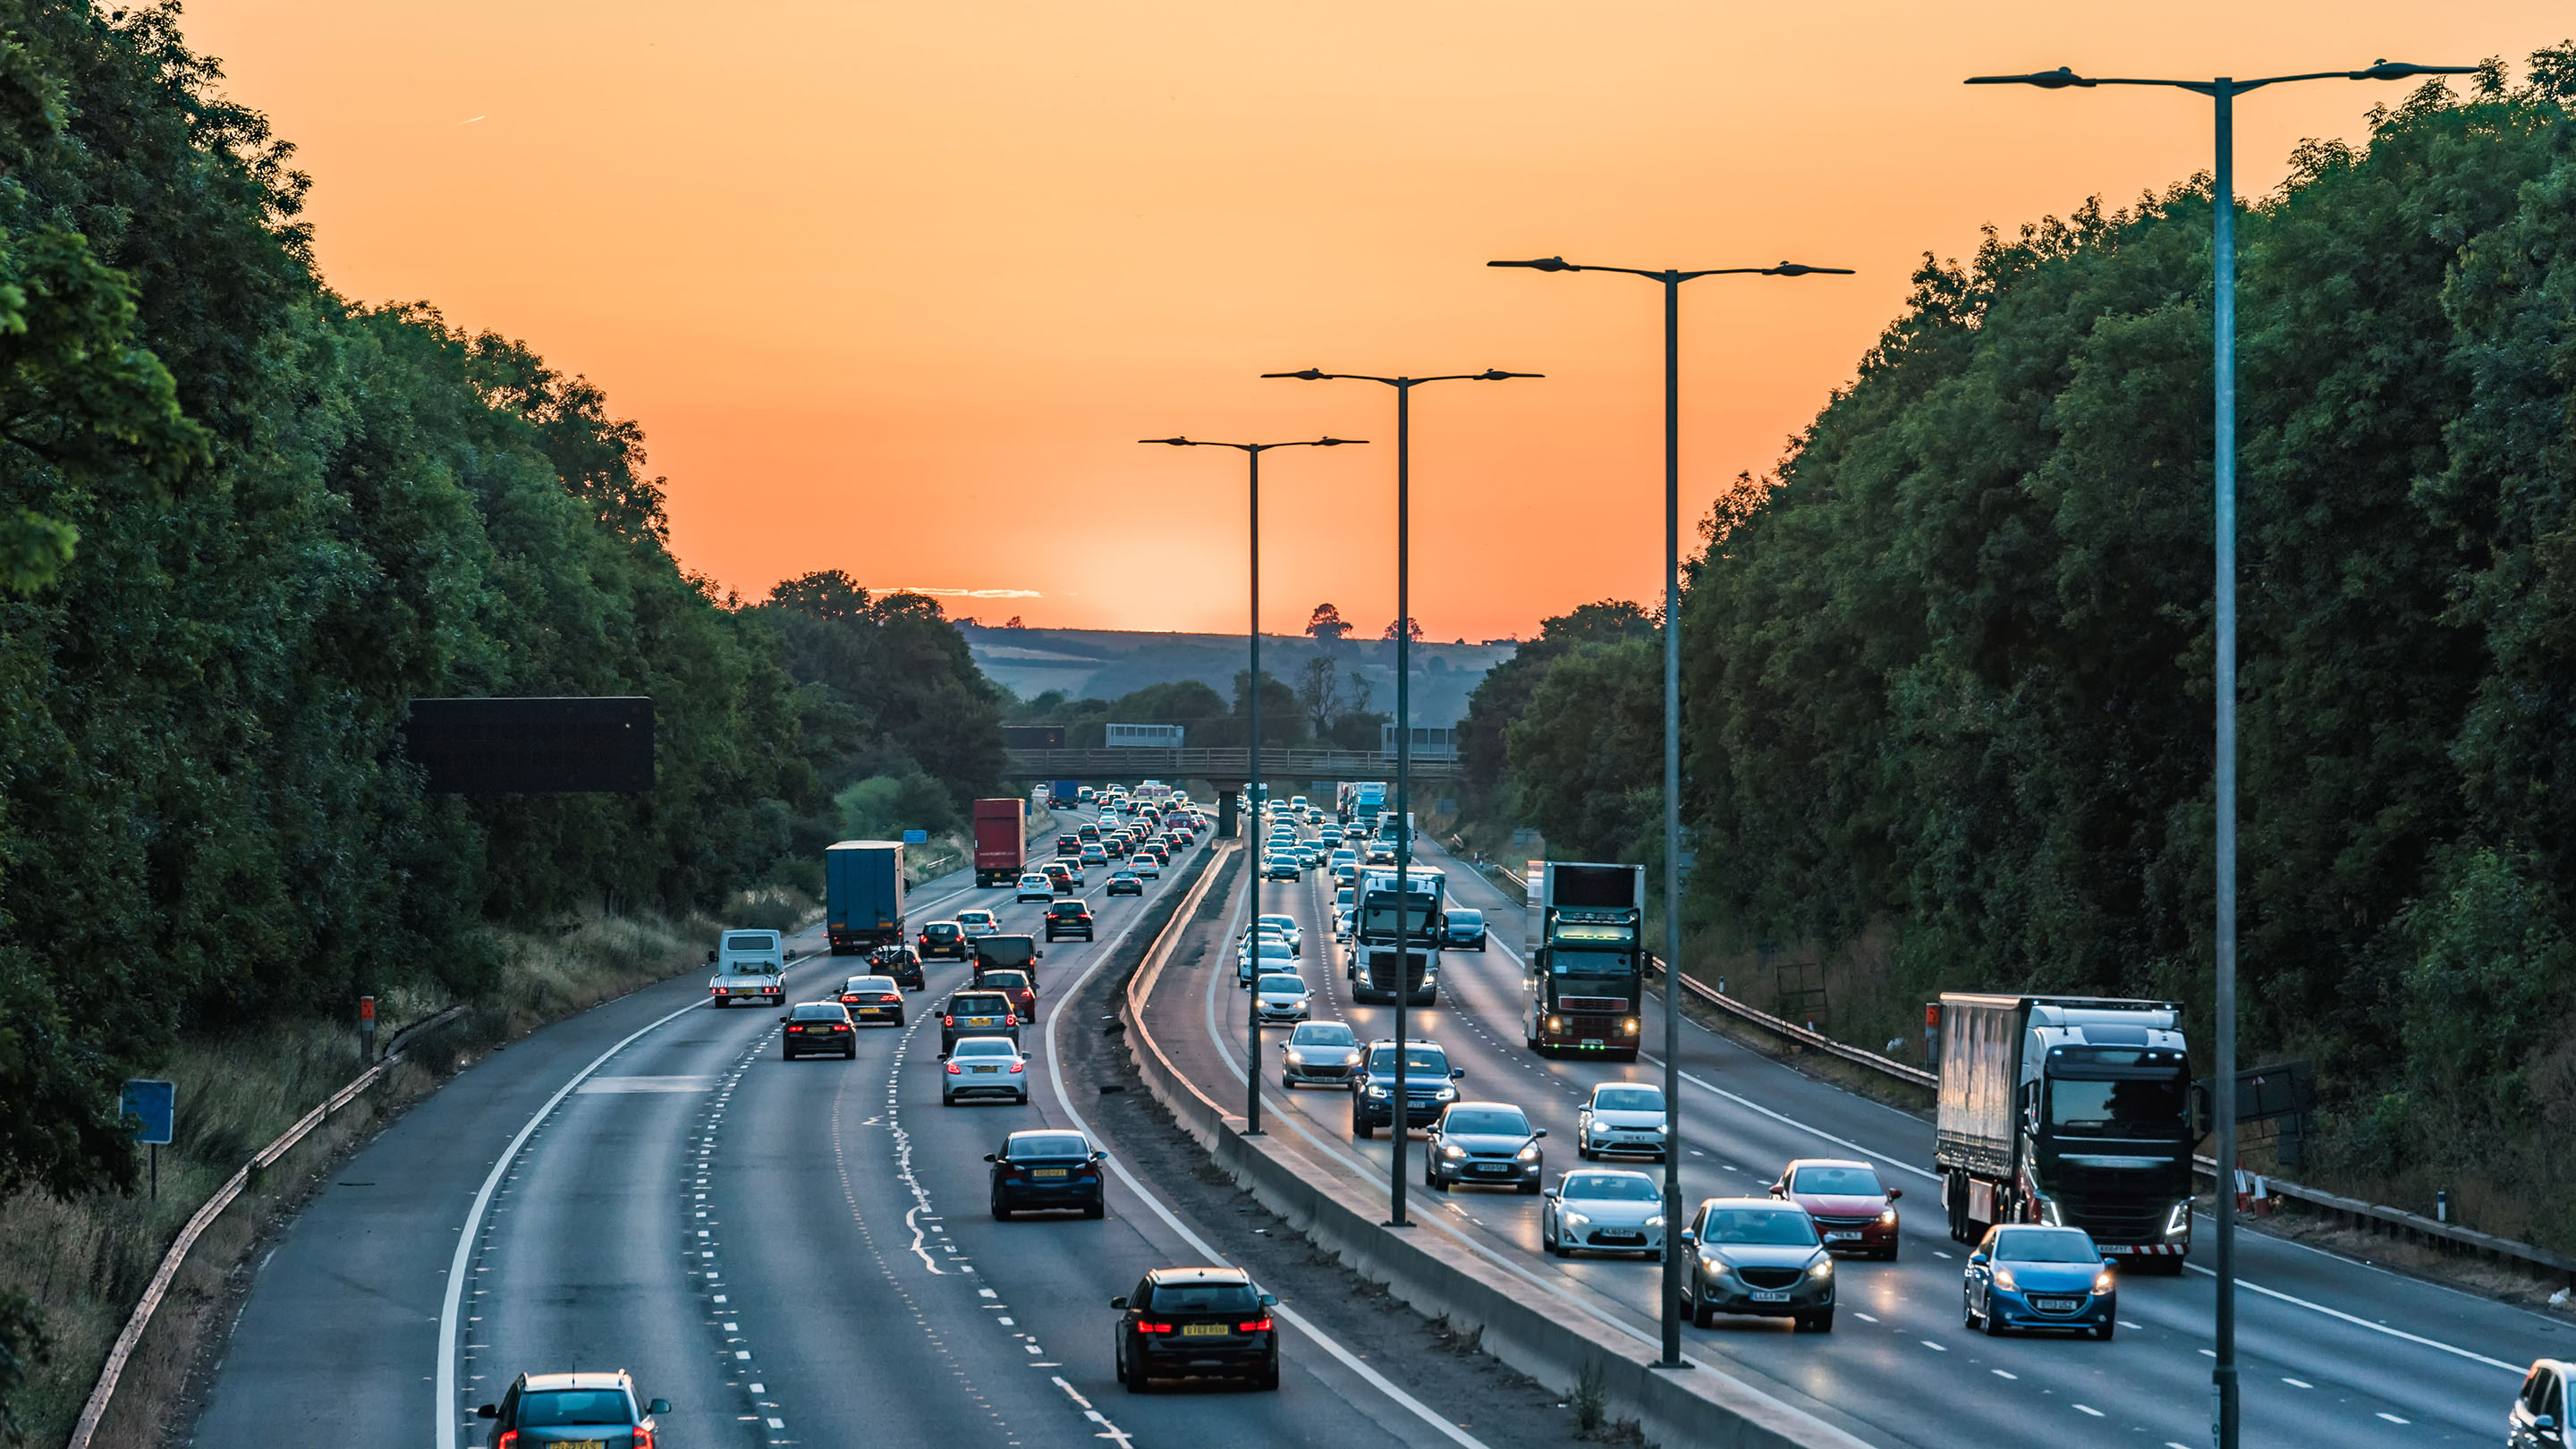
(1047, 1168)
(1463, 930)
(2027, 1276)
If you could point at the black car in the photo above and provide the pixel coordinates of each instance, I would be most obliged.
(945, 938)
(1126, 883)
(1463, 930)
(544, 1409)
(1068, 918)
(1427, 1075)
(1182, 1322)
(1285, 867)
(1048, 1168)
(819, 1028)
(1487, 1143)
(977, 1013)
(873, 998)
(1068, 845)
(900, 962)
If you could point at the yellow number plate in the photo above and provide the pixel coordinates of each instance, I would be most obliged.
(1202, 1330)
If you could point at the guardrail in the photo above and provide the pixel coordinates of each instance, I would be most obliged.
(104, 1392)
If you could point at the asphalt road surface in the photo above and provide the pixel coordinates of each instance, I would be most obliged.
(2330, 1350)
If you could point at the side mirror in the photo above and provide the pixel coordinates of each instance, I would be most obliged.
(2545, 1423)
(1549, 1194)
(1689, 1238)
(2111, 1263)
(1894, 1193)
(1976, 1260)
(1456, 1072)
(1778, 1191)
(658, 1406)
(1542, 1132)
(943, 1056)
(787, 1016)
(1118, 1302)
(989, 1157)
(488, 1411)
(711, 958)
(1100, 1156)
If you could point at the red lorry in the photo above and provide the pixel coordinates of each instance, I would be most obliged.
(1001, 838)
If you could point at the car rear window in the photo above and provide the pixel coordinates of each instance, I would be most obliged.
(985, 1046)
(1466, 918)
(748, 941)
(576, 1406)
(1067, 908)
(1005, 980)
(820, 1011)
(941, 929)
(868, 983)
(1048, 1144)
(980, 1004)
(1204, 1298)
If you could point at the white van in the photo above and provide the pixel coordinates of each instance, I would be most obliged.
(751, 966)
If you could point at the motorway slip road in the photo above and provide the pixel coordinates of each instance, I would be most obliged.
(792, 1253)
(2331, 1350)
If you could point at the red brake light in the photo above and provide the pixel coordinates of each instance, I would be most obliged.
(848, 999)
(840, 1026)
(1011, 1020)
(793, 1027)
(1143, 1326)
(954, 1071)
(947, 1021)
(1018, 1066)
(891, 996)
(509, 1439)
(643, 1437)
(1258, 1325)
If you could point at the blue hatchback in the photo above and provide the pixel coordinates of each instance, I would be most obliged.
(2028, 1276)
(1463, 930)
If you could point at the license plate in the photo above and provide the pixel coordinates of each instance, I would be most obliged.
(1202, 1330)
(1592, 1041)
(980, 1021)
(1046, 1172)
(579, 1444)
(1770, 1295)
(1842, 1237)
(1621, 1237)
(986, 1071)
(2053, 1305)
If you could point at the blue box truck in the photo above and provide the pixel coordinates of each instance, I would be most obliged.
(863, 895)
(1065, 794)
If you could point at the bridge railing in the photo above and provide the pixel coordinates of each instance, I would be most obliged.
(1218, 764)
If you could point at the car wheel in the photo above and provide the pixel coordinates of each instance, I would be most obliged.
(852, 1053)
(1287, 1083)
(1137, 1381)
(1967, 1310)
(1992, 1322)
(1096, 1210)
(1584, 1152)
(1530, 1188)
(1001, 1212)
(1701, 1315)
(1361, 1128)
(1269, 1380)
(1820, 1323)
(1024, 1099)
(1887, 1254)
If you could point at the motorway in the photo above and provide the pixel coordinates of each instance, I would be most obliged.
(791, 1253)
(2331, 1350)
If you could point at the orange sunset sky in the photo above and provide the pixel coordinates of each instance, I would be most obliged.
(893, 287)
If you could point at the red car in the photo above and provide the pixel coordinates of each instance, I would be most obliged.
(1854, 1211)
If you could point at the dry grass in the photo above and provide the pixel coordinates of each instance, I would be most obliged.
(86, 1261)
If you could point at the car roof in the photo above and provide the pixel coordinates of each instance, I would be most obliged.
(1197, 1275)
(1797, 1162)
(593, 1379)
(1487, 1107)
(1008, 1045)
(1048, 1132)
(1575, 1172)
(1771, 1204)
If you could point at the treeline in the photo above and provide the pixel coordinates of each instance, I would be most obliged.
(1947, 675)
(1325, 708)
(242, 523)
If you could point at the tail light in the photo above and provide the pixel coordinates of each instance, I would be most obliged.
(1018, 1067)
(509, 1439)
(849, 1001)
(643, 1437)
(793, 1027)
(1257, 1325)
(1011, 1020)
(891, 996)
(719, 991)
(947, 1021)
(1143, 1326)
(840, 1026)
(954, 1070)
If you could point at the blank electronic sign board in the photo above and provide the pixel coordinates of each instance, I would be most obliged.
(533, 746)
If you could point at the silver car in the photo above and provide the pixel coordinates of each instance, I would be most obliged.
(1755, 1255)
(1323, 1052)
(1288, 931)
(1621, 1117)
(1603, 1211)
(1281, 997)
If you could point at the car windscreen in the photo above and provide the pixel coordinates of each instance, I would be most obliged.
(2045, 1245)
(858, 984)
(750, 941)
(1765, 1227)
(978, 1006)
(576, 1406)
(1610, 1186)
(984, 1046)
(1280, 984)
(820, 1011)
(1837, 1182)
(975, 918)
(1416, 1060)
(1323, 1033)
(1628, 1099)
(1204, 1298)
(1047, 1144)
(1486, 1122)
(1466, 918)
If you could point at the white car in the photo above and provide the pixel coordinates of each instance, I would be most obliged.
(1603, 1211)
(1286, 926)
(984, 1066)
(1622, 1117)
(977, 921)
(1273, 955)
(1035, 887)
(1144, 865)
(1281, 996)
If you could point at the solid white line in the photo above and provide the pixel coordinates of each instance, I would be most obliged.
(1295, 1320)
(2512, 1368)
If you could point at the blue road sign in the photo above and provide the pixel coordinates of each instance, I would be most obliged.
(916, 837)
(157, 1104)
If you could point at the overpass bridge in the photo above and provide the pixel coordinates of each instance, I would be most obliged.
(1219, 766)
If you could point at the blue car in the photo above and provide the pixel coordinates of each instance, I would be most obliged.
(2028, 1276)
(1463, 930)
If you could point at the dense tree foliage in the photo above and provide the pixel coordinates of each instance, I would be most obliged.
(1949, 677)
(1500, 780)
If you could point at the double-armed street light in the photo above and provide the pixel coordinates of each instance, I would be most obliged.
(1672, 279)
(1404, 387)
(2223, 90)
(1252, 774)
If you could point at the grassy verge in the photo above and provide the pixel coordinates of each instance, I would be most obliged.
(85, 1261)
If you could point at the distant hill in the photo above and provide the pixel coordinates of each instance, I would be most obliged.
(1106, 663)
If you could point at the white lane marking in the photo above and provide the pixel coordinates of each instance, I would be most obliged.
(2517, 1370)
(1999, 1373)
(1927, 1343)
(646, 1084)
(2298, 1383)
(2392, 1418)
(2089, 1409)
(1296, 1320)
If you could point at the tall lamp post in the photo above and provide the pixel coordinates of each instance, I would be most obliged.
(1252, 773)
(1671, 280)
(2223, 90)
(1404, 387)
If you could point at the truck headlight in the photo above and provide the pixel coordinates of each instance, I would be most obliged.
(1555, 1025)
(2178, 1221)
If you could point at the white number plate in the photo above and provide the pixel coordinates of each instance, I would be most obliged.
(1770, 1295)
(1841, 1237)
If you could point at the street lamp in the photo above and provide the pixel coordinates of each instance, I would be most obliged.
(1252, 773)
(1404, 387)
(1672, 283)
(2223, 90)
